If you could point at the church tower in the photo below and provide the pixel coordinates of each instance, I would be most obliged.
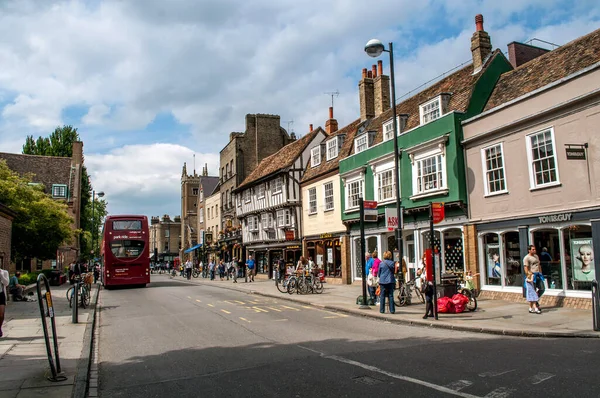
(190, 187)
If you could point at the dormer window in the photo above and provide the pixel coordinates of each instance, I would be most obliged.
(361, 143)
(315, 156)
(332, 148)
(388, 129)
(431, 110)
(59, 191)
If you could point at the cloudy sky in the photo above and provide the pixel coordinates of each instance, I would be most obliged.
(150, 83)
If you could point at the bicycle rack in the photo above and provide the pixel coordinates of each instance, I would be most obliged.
(49, 311)
(75, 303)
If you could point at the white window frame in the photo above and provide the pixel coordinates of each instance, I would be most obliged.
(284, 218)
(378, 172)
(361, 186)
(426, 114)
(201, 195)
(417, 159)
(325, 197)
(530, 161)
(261, 191)
(361, 143)
(315, 156)
(332, 148)
(253, 223)
(59, 191)
(487, 172)
(388, 128)
(201, 215)
(277, 185)
(312, 200)
(247, 195)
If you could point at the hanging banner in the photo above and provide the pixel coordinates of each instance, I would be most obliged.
(438, 212)
(391, 218)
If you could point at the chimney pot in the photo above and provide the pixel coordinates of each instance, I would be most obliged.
(364, 73)
(380, 67)
(310, 127)
(374, 71)
(370, 74)
(479, 22)
(331, 112)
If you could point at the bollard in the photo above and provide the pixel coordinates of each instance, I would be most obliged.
(74, 303)
(49, 311)
(596, 305)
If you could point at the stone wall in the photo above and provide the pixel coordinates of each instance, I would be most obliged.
(545, 302)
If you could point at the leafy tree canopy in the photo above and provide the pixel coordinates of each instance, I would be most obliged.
(41, 225)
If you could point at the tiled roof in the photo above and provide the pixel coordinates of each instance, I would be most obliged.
(545, 69)
(281, 159)
(327, 166)
(209, 184)
(46, 170)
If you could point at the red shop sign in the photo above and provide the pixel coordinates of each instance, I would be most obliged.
(438, 212)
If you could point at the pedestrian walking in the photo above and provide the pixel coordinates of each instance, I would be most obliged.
(376, 262)
(211, 269)
(4, 281)
(369, 272)
(387, 281)
(531, 295)
(96, 272)
(532, 262)
(250, 265)
(234, 264)
(188, 269)
(221, 269)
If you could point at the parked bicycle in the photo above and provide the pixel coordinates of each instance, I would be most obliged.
(303, 283)
(83, 293)
(405, 292)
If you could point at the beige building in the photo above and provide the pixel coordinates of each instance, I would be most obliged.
(212, 222)
(324, 234)
(533, 173)
(165, 239)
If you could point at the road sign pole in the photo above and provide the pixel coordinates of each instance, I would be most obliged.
(363, 305)
(431, 241)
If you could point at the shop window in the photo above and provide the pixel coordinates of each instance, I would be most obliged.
(579, 257)
(512, 259)
(391, 243)
(453, 251)
(426, 242)
(493, 265)
(547, 243)
(358, 269)
(372, 246)
(410, 248)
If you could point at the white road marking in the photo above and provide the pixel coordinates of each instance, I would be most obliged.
(400, 377)
(501, 392)
(290, 308)
(459, 385)
(541, 377)
(307, 307)
(225, 311)
(494, 374)
(244, 319)
(210, 305)
(198, 301)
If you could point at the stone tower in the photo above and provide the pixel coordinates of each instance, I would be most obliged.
(190, 187)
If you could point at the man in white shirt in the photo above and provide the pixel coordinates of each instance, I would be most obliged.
(188, 268)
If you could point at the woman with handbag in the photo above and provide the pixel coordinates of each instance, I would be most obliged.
(387, 282)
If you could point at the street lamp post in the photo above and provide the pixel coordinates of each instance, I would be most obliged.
(374, 48)
(94, 227)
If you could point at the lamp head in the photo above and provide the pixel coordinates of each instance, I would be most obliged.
(100, 194)
(374, 48)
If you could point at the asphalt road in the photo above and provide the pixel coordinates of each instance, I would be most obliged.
(175, 339)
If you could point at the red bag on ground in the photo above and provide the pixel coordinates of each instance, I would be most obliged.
(460, 302)
(445, 305)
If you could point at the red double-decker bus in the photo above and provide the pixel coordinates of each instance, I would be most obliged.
(125, 251)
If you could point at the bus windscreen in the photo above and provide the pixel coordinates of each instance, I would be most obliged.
(127, 248)
(127, 225)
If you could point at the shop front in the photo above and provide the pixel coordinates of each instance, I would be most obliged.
(326, 251)
(266, 257)
(448, 244)
(564, 244)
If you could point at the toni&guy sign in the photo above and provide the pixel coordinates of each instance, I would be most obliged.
(555, 218)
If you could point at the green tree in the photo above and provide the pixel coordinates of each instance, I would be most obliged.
(41, 225)
(60, 143)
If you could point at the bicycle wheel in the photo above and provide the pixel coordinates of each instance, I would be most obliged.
(318, 286)
(420, 295)
(402, 299)
(472, 304)
(70, 296)
(281, 285)
(292, 286)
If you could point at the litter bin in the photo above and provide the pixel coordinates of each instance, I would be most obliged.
(448, 285)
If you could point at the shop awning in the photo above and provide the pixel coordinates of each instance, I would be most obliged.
(191, 249)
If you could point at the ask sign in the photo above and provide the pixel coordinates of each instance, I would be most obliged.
(391, 218)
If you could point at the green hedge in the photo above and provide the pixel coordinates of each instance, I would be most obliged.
(31, 277)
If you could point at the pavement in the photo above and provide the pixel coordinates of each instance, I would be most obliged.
(492, 316)
(24, 365)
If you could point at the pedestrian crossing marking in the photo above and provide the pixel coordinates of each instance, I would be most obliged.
(274, 309)
(290, 308)
(245, 320)
(225, 311)
(210, 305)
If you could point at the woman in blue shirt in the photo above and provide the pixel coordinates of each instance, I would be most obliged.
(387, 282)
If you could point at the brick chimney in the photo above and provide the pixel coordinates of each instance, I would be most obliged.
(520, 53)
(331, 125)
(310, 127)
(367, 96)
(481, 44)
(381, 90)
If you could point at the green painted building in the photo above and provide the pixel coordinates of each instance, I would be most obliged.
(431, 163)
